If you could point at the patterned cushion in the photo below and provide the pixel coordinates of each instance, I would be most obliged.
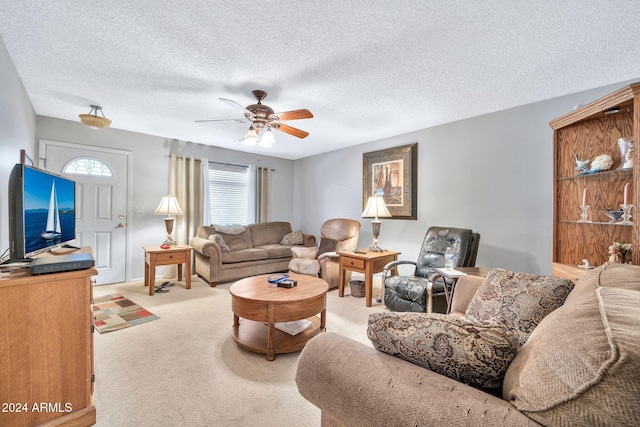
(293, 238)
(476, 354)
(521, 300)
(220, 241)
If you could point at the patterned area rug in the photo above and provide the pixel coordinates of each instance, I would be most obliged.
(113, 312)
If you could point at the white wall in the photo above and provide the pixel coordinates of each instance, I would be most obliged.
(150, 175)
(17, 131)
(491, 173)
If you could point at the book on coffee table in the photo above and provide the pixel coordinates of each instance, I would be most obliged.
(293, 328)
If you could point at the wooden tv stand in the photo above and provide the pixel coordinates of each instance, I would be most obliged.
(46, 349)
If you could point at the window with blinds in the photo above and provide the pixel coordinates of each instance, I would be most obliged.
(228, 194)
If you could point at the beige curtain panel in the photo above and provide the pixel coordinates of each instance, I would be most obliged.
(263, 194)
(186, 183)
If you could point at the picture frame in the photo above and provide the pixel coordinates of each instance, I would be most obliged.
(395, 172)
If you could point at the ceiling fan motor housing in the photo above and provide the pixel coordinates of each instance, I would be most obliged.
(261, 115)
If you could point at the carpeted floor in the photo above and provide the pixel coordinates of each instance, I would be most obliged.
(185, 369)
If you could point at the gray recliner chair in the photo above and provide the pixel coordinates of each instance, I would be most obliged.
(415, 293)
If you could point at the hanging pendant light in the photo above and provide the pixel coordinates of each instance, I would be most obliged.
(267, 139)
(93, 120)
(251, 138)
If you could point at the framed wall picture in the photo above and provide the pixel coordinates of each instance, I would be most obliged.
(394, 171)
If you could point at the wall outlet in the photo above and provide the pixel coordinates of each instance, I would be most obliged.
(138, 209)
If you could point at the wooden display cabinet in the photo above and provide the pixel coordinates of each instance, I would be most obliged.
(587, 132)
(46, 349)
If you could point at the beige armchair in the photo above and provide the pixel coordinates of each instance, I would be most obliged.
(336, 235)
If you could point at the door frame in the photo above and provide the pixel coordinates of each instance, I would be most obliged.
(42, 162)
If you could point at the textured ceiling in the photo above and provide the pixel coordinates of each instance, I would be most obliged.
(366, 69)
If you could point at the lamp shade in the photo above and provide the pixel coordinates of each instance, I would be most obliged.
(251, 138)
(168, 206)
(267, 139)
(376, 208)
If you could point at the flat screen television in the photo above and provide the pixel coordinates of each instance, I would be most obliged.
(42, 212)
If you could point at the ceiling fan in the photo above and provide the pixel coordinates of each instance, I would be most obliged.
(263, 118)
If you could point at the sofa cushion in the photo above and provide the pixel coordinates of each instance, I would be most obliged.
(476, 354)
(220, 242)
(581, 365)
(293, 238)
(268, 233)
(229, 229)
(237, 242)
(520, 299)
(276, 251)
(617, 275)
(251, 254)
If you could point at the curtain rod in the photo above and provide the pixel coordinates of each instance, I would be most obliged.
(228, 164)
(221, 163)
(231, 164)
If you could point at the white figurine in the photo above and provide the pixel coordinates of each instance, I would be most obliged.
(626, 150)
(581, 165)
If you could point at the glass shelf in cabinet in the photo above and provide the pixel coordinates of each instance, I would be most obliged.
(621, 172)
(571, 221)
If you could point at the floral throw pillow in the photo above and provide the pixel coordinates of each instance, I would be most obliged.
(521, 300)
(293, 238)
(472, 353)
(221, 243)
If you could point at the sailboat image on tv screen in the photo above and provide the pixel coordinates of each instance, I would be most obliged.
(53, 230)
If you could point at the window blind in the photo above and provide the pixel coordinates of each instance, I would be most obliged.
(228, 194)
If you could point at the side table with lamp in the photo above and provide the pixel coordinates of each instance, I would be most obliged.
(372, 260)
(168, 253)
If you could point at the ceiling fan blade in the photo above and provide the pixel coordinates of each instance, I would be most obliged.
(224, 120)
(290, 130)
(294, 115)
(235, 105)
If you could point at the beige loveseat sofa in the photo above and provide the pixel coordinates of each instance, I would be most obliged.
(580, 366)
(254, 249)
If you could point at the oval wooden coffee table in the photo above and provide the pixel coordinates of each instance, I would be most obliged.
(257, 307)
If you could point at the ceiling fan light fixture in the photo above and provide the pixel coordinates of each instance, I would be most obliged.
(251, 138)
(93, 120)
(267, 139)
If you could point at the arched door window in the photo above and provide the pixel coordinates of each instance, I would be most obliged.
(87, 166)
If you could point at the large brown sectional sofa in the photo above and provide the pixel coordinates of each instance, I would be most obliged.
(252, 250)
(580, 366)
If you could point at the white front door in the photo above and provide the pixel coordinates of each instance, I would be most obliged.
(101, 177)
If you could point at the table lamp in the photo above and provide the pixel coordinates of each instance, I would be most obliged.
(376, 208)
(168, 206)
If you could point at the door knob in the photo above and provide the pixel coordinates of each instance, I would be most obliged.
(121, 225)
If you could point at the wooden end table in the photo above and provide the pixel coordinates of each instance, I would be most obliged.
(454, 275)
(154, 255)
(367, 264)
(261, 307)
